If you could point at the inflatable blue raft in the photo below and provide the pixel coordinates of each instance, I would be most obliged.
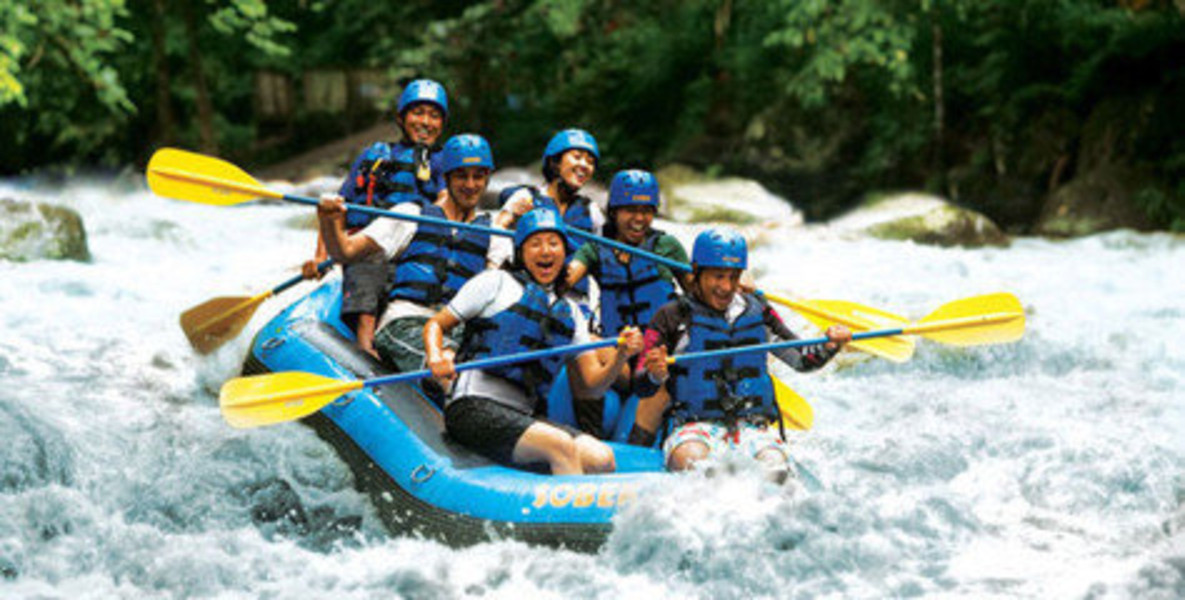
(420, 481)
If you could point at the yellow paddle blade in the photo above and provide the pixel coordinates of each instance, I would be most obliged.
(214, 322)
(796, 412)
(857, 317)
(990, 319)
(183, 175)
(278, 397)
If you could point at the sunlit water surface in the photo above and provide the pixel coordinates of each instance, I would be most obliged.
(1050, 468)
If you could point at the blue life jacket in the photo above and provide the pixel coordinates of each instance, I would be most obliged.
(631, 292)
(725, 388)
(532, 323)
(578, 215)
(439, 260)
(385, 175)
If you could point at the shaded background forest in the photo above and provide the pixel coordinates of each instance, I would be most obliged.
(1000, 106)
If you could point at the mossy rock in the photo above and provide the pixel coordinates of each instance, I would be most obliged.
(1099, 200)
(690, 196)
(31, 231)
(922, 219)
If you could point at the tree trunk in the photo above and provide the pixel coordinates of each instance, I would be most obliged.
(938, 158)
(205, 108)
(165, 120)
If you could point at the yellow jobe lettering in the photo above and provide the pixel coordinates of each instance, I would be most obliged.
(561, 495)
(603, 495)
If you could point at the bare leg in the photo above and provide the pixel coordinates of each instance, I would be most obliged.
(543, 442)
(365, 333)
(649, 414)
(776, 465)
(685, 455)
(595, 456)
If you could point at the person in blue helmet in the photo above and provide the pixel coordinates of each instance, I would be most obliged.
(383, 176)
(514, 310)
(717, 403)
(632, 287)
(569, 163)
(430, 262)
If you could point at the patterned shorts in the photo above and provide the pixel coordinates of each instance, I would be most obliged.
(749, 438)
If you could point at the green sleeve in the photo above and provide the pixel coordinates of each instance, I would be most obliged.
(587, 254)
(668, 246)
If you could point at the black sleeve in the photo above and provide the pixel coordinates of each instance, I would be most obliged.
(663, 330)
(803, 359)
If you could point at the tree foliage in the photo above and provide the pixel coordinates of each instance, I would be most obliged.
(993, 103)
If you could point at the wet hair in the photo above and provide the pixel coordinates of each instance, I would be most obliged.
(551, 167)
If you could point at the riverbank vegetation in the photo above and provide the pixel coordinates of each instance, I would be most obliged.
(1029, 111)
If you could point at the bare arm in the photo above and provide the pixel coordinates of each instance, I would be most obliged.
(594, 372)
(576, 271)
(344, 248)
(440, 359)
(309, 268)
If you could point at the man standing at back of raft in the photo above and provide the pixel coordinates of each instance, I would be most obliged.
(723, 402)
(431, 262)
(383, 176)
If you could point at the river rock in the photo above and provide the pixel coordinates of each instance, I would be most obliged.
(31, 231)
(1099, 200)
(924, 219)
(692, 197)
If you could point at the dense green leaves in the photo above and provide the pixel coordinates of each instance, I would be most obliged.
(993, 103)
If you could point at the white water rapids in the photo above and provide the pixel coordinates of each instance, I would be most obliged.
(1049, 468)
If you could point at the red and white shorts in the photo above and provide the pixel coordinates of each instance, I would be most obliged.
(748, 438)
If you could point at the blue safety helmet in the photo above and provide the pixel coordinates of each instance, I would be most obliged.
(424, 90)
(633, 188)
(466, 150)
(720, 247)
(570, 139)
(537, 220)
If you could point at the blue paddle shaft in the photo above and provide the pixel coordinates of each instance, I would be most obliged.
(321, 268)
(604, 241)
(592, 237)
(780, 345)
(378, 212)
(495, 361)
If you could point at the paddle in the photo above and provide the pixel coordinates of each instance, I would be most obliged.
(199, 178)
(214, 322)
(796, 412)
(821, 313)
(990, 319)
(194, 177)
(290, 395)
(204, 179)
(857, 317)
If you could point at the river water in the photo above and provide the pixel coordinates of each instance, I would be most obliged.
(1049, 468)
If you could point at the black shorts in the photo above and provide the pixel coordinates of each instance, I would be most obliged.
(489, 427)
(364, 288)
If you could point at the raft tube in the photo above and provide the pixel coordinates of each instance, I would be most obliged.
(420, 481)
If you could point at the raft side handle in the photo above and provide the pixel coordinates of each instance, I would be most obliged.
(422, 473)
